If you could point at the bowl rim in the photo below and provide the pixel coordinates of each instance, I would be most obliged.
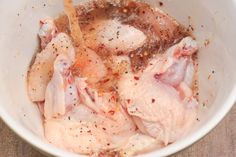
(47, 148)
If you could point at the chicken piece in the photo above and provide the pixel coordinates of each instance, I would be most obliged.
(41, 71)
(87, 61)
(47, 31)
(114, 36)
(79, 131)
(61, 92)
(84, 131)
(157, 107)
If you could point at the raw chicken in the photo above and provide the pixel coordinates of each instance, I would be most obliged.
(153, 97)
(111, 33)
(61, 93)
(83, 131)
(92, 100)
(86, 131)
(179, 65)
(41, 71)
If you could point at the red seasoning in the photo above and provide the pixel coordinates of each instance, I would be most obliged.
(136, 77)
(111, 112)
(128, 100)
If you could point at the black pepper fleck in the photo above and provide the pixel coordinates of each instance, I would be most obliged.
(161, 4)
(153, 100)
(110, 39)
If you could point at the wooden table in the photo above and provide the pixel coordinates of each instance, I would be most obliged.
(221, 142)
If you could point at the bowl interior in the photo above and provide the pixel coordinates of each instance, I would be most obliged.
(213, 22)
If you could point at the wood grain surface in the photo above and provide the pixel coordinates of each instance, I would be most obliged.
(221, 142)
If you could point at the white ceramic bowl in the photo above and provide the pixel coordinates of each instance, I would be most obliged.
(211, 19)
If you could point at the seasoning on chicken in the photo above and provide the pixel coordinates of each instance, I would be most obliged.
(114, 78)
(61, 93)
(41, 71)
(158, 96)
(87, 61)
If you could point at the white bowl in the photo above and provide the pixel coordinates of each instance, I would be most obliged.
(213, 20)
